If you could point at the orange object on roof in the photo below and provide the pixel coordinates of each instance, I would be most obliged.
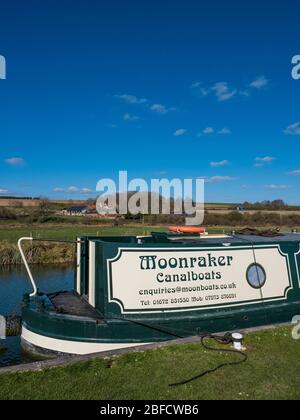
(187, 229)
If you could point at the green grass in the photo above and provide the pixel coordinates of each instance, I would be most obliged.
(49, 253)
(55, 253)
(271, 372)
(13, 233)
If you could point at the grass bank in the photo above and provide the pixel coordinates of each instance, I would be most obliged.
(55, 253)
(271, 372)
(36, 253)
(67, 232)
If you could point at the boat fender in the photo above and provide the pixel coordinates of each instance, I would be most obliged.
(13, 325)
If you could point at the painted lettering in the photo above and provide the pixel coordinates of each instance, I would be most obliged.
(152, 262)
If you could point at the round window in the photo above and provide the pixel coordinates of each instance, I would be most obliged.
(256, 276)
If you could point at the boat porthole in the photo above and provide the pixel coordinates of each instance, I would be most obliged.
(256, 276)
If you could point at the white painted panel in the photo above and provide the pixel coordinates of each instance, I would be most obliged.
(72, 347)
(92, 273)
(78, 271)
(161, 280)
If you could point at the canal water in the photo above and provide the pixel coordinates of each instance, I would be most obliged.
(14, 283)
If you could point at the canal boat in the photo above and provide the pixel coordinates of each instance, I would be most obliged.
(130, 291)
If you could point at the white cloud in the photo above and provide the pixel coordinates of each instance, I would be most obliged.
(293, 129)
(134, 100)
(261, 161)
(211, 130)
(3, 191)
(245, 93)
(195, 85)
(204, 91)
(259, 83)
(224, 131)
(266, 159)
(15, 161)
(180, 132)
(223, 92)
(218, 179)
(86, 191)
(129, 117)
(73, 190)
(296, 172)
(219, 164)
(161, 109)
(220, 89)
(131, 99)
(208, 130)
(277, 187)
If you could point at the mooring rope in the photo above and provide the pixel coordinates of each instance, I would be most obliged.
(221, 340)
(224, 339)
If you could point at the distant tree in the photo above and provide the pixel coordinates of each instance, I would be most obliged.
(278, 204)
(266, 205)
(44, 207)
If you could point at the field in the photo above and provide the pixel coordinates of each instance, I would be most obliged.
(271, 372)
(12, 234)
(17, 202)
(264, 212)
(45, 222)
(52, 252)
(63, 253)
(6, 202)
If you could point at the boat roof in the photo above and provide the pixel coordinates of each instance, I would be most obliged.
(236, 238)
(169, 238)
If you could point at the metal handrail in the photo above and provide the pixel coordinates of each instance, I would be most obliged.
(35, 290)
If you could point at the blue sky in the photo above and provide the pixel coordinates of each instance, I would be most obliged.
(172, 88)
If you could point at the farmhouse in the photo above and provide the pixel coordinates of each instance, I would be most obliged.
(77, 211)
